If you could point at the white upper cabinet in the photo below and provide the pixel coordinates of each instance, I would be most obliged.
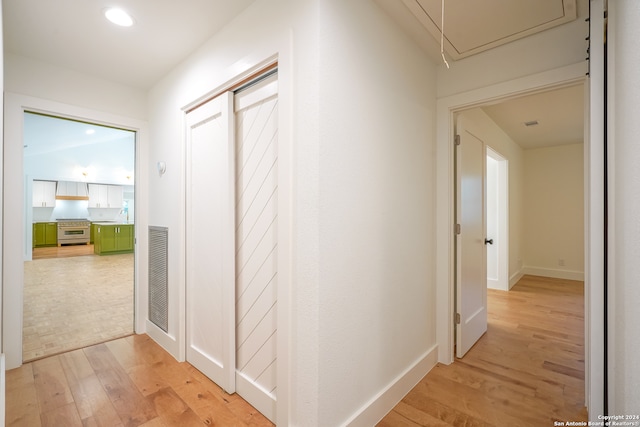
(114, 196)
(44, 194)
(105, 196)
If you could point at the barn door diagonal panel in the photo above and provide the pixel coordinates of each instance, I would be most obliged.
(256, 114)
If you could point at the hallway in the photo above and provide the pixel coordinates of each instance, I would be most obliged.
(527, 370)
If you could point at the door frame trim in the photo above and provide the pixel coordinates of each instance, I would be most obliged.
(445, 203)
(14, 237)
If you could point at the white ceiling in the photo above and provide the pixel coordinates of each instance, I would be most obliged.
(559, 113)
(46, 134)
(74, 34)
(61, 149)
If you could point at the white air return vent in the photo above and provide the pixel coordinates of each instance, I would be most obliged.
(472, 27)
(158, 277)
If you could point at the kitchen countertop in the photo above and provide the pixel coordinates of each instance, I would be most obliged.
(112, 222)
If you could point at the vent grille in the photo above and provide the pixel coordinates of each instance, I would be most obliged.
(158, 277)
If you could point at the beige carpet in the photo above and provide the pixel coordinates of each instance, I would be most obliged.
(75, 302)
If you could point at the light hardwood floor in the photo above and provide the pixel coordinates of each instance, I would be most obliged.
(73, 301)
(128, 382)
(527, 370)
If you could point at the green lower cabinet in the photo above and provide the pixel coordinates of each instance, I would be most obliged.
(45, 234)
(113, 239)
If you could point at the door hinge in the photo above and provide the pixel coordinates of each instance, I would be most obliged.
(457, 228)
(457, 318)
(457, 139)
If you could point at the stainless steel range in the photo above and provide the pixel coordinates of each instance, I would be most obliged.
(73, 231)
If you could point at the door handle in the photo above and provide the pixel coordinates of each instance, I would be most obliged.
(488, 241)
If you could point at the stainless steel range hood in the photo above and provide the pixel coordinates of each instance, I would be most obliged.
(72, 190)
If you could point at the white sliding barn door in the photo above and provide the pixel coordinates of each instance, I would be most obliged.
(256, 114)
(210, 241)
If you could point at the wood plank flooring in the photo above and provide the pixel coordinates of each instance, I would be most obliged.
(73, 301)
(527, 370)
(128, 382)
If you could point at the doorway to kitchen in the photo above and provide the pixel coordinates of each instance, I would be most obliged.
(79, 234)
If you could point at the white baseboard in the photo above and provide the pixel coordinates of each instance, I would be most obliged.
(515, 278)
(383, 402)
(556, 274)
(3, 387)
(164, 340)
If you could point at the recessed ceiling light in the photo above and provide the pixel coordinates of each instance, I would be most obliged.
(90, 131)
(118, 17)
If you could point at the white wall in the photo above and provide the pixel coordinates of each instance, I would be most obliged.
(377, 188)
(558, 47)
(624, 207)
(481, 125)
(29, 77)
(358, 104)
(554, 211)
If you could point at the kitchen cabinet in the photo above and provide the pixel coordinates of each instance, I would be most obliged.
(45, 234)
(105, 196)
(44, 194)
(113, 238)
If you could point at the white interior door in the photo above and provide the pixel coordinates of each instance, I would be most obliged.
(256, 113)
(210, 241)
(471, 277)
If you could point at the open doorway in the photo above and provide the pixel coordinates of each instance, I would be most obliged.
(497, 213)
(78, 277)
(541, 136)
(546, 228)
